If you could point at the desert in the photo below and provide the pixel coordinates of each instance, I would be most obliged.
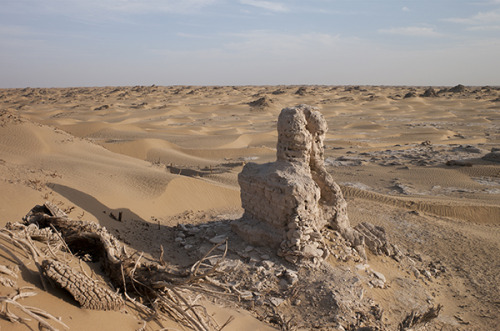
(158, 168)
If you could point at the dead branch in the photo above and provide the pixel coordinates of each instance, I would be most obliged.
(7, 271)
(153, 281)
(32, 312)
(88, 292)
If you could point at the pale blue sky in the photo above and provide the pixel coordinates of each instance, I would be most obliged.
(57, 43)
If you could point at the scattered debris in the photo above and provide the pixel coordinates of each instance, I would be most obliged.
(415, 318)
(169, 288)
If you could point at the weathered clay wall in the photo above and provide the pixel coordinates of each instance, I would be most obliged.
(289, 201)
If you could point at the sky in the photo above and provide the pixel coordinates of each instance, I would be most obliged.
(68, 43)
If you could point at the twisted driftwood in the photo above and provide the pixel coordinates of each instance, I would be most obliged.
(33, 312)
(88, 292)
(84, 237)
(165, 289)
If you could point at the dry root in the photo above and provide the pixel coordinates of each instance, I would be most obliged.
(88, 292)
(165, 290)
(39, 315)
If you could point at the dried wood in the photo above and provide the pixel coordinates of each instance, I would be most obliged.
(33, 312)
(164, 287)
(7, 271)
(88, 292)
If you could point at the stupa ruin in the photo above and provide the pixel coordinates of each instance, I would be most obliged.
(288, 202)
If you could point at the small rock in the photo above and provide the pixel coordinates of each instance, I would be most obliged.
(246, 295)
(291, 276)
(258, 286)
(379, 275)
(249, 248)
(267, 264)
(312, 250)
(295, 242)
(193, 231)
(291, 258)
(276, 301)
(362, 266)
(253, 261)
(218, 239)
(427, 274)
(212, 260)
(377, 283)
(283, 284)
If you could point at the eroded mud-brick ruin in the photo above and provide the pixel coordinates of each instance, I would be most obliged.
(288, 202)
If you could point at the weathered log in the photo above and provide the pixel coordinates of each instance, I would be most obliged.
(84, 237)
(43, 235)
(88, 292)
(152, 281)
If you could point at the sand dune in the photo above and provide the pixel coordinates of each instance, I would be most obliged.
(96, 171)
(159, 154)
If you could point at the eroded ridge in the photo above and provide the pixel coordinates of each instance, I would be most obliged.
(288, 202)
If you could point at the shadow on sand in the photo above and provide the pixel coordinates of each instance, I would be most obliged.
(137, 233)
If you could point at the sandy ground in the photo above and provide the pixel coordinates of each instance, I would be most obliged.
(166, 155)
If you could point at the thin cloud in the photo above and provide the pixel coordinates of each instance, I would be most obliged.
(411, 31)
(268, 5)
(96, 7)
(262, 41)
(266, 45)
(481, 18)
(17, 31)
(191, 35)
(406, 9)
(138, 6)
(484, 28)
